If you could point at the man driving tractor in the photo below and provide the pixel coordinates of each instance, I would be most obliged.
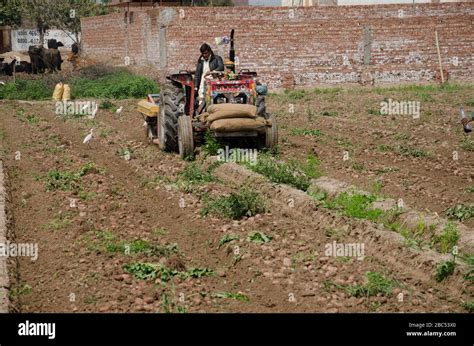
(207, 62)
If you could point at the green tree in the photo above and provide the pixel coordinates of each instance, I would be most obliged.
(10, 12)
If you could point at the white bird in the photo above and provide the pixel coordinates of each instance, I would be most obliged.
(2, 83)
(119, 110)
(88, 138)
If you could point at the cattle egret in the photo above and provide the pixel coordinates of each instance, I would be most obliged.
(88, 138)
(2, 83)
(119, 111)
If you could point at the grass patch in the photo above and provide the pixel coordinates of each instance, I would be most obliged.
(20, 291)
(469, 259)
(91, 82)
(469, 306)
(358, 167)
(414, 88)
(375, 283)
(84, 195)
(402, 136)
(413, 152)
(417, 237)
(327, 90)
(294, 95)
(444, 269)
(372, 111)
(106, 104)
(297, 131)
(153, 181)
(467, 144)
(159, 232)
(318, 195)
(194, 174)
(293, 173)
(106, 242)
(259, 238)
(384, 148)
(23, 89)
(384, 170)
(329, 113)
(151, 271)
(68, 180)
(236, 296)
(211, 145)
(227, 239)
(236, 205)
(426, 97)
(32, 119)
(445, 241)
(355, 205)
(125, 153)
(460, 212)
(344, 143)
(111, 83)
(58, 223)
(377, 187)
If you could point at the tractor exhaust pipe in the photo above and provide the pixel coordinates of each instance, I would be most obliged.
(232, 50)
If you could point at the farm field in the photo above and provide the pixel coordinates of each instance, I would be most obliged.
(124, 227)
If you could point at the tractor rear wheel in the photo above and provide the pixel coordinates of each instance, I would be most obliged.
(271, 133)
(185, 137)
(172, 103)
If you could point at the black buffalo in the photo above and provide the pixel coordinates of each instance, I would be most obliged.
(7, 68)
(43, 58)
(54, 44)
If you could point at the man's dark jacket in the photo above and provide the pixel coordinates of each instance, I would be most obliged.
(215, 64)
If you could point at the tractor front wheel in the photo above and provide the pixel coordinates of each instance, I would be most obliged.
(185, 137)
(271, 133)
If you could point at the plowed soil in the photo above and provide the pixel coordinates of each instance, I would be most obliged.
(125, 200)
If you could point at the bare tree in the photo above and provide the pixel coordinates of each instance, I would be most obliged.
(69, 13)
(60, 14)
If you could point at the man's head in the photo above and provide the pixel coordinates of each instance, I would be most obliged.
(206, 51)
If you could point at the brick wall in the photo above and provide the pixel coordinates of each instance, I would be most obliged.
(307, 45)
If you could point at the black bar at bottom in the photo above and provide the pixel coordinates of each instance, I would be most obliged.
(222, 329)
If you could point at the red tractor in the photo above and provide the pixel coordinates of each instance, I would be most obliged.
(175, 121)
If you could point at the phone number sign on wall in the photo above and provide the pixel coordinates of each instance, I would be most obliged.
(23, 38)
